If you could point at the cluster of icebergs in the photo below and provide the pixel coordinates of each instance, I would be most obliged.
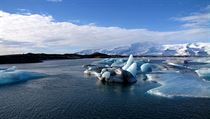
(12, 75)
(117, 70)
(177, 77)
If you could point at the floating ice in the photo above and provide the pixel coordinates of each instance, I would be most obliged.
(128, 63)
(204, 73)
(107, 61)
(146, 68)
(132, 69)
(113, 72)
(106, 75)
(14, 76)
(118, 63)
(173, 83)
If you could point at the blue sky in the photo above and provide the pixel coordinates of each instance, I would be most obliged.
(150, 14)
(163, 19)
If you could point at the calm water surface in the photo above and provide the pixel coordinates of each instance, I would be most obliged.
(68, 94)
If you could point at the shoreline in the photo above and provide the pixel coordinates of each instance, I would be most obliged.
(40, 57)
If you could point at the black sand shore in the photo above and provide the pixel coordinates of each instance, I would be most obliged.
(35, 58)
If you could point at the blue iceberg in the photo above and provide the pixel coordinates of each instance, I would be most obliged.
(11, 75)
(146, 68)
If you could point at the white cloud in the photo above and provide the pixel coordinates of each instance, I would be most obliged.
(41, 33)
(196, 20)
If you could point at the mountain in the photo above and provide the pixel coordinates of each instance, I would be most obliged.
(146, 48)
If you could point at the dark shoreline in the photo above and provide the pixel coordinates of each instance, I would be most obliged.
(36, 58)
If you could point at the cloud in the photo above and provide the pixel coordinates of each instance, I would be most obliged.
(42, 33)
(196, 20)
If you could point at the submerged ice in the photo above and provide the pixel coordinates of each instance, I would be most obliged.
(11, 75)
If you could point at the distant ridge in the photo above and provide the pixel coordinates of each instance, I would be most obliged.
(151, 49)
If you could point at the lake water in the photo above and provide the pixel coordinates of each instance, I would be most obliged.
(68, 94)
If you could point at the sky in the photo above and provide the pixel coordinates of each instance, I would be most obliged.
(67, 26)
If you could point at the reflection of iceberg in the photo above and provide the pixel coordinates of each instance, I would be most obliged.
(11, 75)
(204, 73)
(185, 84)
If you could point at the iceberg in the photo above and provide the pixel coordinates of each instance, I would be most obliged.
(174, 84)
(114, 73)
(105, 75)
(133, 69)
(204, 73)
(11, 75)
(128, 63)
(146, 68)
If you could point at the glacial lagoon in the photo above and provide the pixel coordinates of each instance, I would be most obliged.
(60, 89)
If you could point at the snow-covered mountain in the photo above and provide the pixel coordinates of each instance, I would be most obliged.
(190, 49)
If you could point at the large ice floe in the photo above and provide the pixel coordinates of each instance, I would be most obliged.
(186, 84)
(176, 76)
(204, 73)
(12, 75)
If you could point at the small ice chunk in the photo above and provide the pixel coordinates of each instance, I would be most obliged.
(106, 75)
(103, 70)
(146, 68)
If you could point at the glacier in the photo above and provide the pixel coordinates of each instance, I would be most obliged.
(155, 49)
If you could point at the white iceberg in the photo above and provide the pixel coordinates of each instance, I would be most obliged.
(126, 74)
(105, 76)
(132, 69)
(128, 63)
